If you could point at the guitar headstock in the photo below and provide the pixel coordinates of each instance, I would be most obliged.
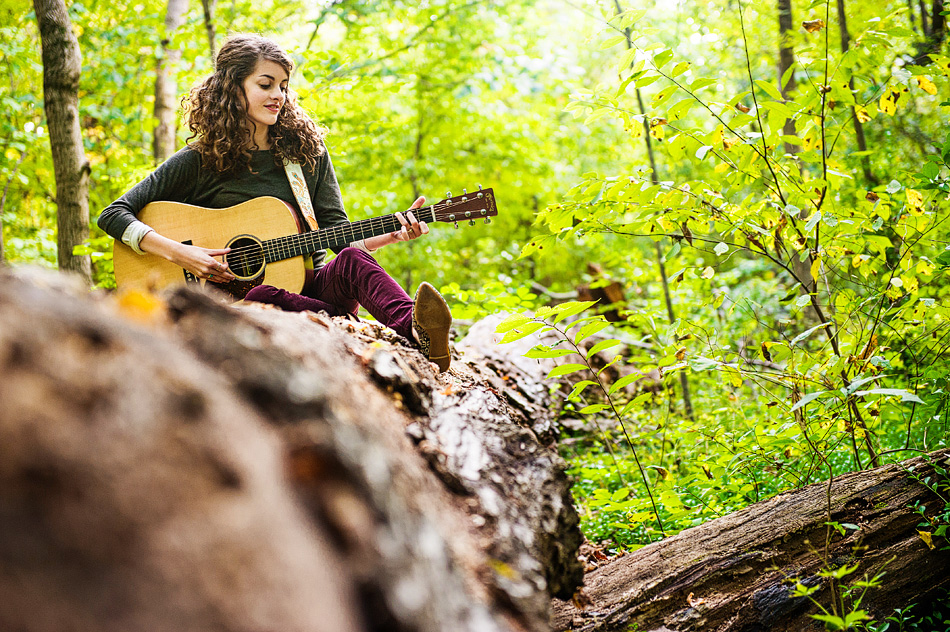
(471, 206)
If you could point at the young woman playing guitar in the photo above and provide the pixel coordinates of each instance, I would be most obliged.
(244, 131)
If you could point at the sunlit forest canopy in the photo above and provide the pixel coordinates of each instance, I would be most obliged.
(765, 182)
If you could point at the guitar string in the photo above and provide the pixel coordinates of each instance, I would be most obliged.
(250, 255)
(246, 257)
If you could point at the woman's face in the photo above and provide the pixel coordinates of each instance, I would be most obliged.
(266, 92)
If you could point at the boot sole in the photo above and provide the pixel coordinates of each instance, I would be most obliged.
(433, 316)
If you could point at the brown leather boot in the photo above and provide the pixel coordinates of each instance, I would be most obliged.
(431, 320)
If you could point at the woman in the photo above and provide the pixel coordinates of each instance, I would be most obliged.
(244, 129)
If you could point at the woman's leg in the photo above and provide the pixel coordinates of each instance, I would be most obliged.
(354, 278)
(290, 302)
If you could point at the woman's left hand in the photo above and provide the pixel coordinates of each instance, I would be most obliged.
(412, 228)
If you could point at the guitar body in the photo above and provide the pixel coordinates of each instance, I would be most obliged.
(267, 218)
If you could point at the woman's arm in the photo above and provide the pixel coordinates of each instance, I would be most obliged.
(174, 180)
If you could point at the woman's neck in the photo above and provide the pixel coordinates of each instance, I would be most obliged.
(260, 137)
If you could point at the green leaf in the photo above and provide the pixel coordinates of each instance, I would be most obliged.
(807, 333)
(565, 369)
(519, 333)
(603, 344)
(906, 396)
(612, 41)
(590, 329)
(806, 400)
(661, 58)
(593, 408)
(831, 622)
(702, 82)
(571, 308)
(769, 89)
(579, 388)
(544, 351)
(624, 381)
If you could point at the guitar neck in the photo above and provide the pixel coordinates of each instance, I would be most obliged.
(338, 237)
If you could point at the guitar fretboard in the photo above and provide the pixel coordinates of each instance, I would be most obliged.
(337, 237)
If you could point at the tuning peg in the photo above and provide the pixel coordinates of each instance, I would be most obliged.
(471, 222)
(456, 224)
(488, 220)
(464, 191)
(479, 187)
(448, 194)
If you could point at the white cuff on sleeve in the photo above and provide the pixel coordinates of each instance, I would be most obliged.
(133, 235)
(361, 245)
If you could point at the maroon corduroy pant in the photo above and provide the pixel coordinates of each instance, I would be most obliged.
(351, 279)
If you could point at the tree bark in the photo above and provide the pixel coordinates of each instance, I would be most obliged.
(732, 573)
(858, 125)
(166, 87)
(786, 59)
(242, 468)
(208, 6)
(62, 63)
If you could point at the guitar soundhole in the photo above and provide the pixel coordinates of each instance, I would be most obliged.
(246, 259)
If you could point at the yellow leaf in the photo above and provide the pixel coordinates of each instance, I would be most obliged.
(910, 283)
(727, 143)
(925, 268)
(815, 268)
(708, 272)
(914, 199)
(813, 26)
(888, 103)
(721, 167)
(735, 380)
(926, 85)
(141, 306)
(657, 132)
(927, 537)
(862, 113)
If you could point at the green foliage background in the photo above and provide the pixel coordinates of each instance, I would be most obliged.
(807, 276)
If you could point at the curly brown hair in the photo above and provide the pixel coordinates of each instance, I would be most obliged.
(216, 110)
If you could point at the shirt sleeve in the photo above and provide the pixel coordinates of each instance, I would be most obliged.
(325, 195)
(175, 180)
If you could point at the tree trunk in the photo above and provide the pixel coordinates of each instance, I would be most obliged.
(243, 468)
(208, 6)
(166, 87)
(731, 573)
(858, 125)
(62, 63)
(786, 59)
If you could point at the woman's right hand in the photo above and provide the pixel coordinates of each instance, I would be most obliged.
(201, 262)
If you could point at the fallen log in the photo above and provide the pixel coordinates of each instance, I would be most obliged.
(213, 467)
(736, 573)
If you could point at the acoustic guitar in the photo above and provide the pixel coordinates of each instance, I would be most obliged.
(269, 245)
